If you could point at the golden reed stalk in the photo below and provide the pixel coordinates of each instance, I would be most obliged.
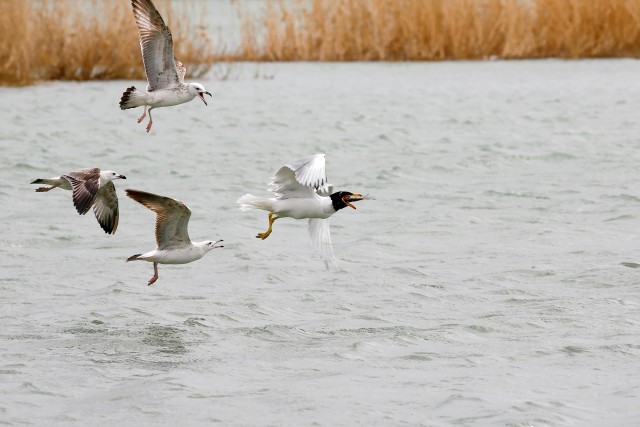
(73, 40)
(399, 30)
(86, 40)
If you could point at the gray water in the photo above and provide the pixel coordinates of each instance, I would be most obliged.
(493, 281)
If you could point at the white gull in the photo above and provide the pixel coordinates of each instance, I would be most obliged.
(301, 191)
(165, 73)
(172, 236)
(91, 187)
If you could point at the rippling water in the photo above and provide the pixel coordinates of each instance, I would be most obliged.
(493, 281)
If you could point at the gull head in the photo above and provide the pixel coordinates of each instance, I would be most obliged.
(106, 176)
(207, 245)
(342, 199)
(197, 89)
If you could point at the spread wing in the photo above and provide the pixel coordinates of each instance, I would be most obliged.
(172, 218)
(157, 47)
(85, 184)
(301, 178)
(321, 239)
(105, 208)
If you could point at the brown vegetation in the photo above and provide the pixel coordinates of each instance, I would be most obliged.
(350, 30)
(61, 40)
(88, 40)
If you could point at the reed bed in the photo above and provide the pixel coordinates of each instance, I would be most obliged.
(88, 40)
(398, 30)
(61, 40)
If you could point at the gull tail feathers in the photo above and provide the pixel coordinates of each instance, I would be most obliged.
(135, 257)
(132, 98)
(249, 201)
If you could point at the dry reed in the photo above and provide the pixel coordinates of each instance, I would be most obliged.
(89, 40)
(60, 40)
(351, 30)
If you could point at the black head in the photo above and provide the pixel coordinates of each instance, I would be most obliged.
(342, 199)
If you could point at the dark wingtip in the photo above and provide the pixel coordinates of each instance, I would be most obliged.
(107, 229)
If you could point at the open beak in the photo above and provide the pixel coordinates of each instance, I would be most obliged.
(352, 198)
(201, 95)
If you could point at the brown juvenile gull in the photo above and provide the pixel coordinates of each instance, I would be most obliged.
(172, 236)
(91, 187)
(165, 73)
(301, 191)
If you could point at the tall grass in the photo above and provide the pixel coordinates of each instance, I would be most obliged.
(86, 40)
(97, 39)
(351, 30)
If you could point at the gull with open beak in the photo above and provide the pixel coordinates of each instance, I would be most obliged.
(165, 73)
(302, 192)
(172, 235)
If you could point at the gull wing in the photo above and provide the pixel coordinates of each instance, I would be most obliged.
(105, 208)
(172, 218)
(157, 47)
(85, 184)
(301, 178)
(320, 234)
(325, 191)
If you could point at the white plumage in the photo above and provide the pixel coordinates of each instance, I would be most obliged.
(302, 192)
(165, 74)
(172, 235)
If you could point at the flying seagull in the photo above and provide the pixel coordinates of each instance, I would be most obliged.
(165, 73)
(91, 187)
(172, 237)
(301, 191)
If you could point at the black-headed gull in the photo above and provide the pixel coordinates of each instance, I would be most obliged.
(172, 236)
(165, 73)
(301, 192)
(91, 187)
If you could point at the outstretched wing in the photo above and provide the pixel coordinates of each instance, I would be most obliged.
(321, 240)
(85, 184)
(157, 46)
(105, 208)
(301, 178)
(172, 218)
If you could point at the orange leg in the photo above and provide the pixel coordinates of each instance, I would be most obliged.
(266, 234)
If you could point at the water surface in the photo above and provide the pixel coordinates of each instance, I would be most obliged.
(493, 281)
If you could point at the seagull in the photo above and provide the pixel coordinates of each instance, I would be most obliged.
(301, 191)
(165, 73)
(91, 187)
(172, 237)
